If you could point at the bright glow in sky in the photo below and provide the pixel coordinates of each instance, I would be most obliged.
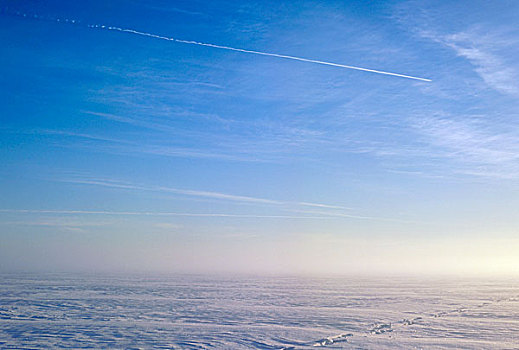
(124, 152)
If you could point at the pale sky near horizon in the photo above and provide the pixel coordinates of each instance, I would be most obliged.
(125, 151)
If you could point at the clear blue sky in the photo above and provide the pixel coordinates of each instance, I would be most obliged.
(124, 152)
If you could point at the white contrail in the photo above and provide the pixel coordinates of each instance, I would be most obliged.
(191, 42)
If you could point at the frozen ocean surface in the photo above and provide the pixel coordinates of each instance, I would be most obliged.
(198, 312)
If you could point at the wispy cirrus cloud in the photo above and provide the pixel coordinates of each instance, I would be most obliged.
(490, 44)
(472, 128)
(150, 213)
(186, 192)
(311, 215)
(123, 145)
(319, 205)
(326, 210)
(71, 222)
(198, 193)
(492, 55)
(259, 140)
(478, 147)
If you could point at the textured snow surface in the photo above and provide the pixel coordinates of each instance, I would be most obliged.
(198, 312)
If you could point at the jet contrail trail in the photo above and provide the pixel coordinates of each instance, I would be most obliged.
(222, 47)
(191, 42)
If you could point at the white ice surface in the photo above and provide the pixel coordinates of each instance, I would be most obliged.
(196, 312)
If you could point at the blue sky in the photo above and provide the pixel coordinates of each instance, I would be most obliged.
(123, 152)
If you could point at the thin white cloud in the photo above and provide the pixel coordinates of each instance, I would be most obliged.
(319, 216)
(67, 133)
(197, 193)
(490, 46)
(491, 51)
(134, 122)
(62, 223)
(180, 152)
(122, 146)
(484, 53)
(330, 211)
(327, 206)
(167, 225)
(174, 9)
(351, 216)
(137, 213)
(478, 148)
(194, 193)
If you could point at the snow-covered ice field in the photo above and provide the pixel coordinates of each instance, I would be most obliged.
(197, 312)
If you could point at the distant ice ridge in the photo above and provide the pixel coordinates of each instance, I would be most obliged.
(197, 312)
